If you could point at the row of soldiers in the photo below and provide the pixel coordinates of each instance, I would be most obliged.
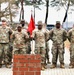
(20, 39)
(58, 35)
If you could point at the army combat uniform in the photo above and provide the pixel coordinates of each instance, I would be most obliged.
(71, 39)
(58, 36)
(5, 33)
(28, 45)
(19, 39)
(40, 38)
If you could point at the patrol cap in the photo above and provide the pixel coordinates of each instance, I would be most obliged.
(57, 22)
(19, 26)
(40, 23)
(22, 20)
(3, 19)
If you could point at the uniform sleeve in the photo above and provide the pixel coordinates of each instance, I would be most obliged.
(13, 35)
(51, 34)
(26, 35)
(10, 31)
(64, 35)
(69, 35)
(47, 35)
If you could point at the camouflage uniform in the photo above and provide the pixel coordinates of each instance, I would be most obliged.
(71, 39)
(24, 29)
(10, 47)
(10, 51)
(40, 37)
(58, 37)
(28, 45)
(19, 39)
(4, 44)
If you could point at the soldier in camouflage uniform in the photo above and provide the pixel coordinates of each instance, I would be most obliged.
(58, 36)
(71, 39)
(5, 33)
(39, 35)
(24, 29)
(19, 39)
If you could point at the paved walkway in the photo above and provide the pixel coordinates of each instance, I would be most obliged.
(48, 71)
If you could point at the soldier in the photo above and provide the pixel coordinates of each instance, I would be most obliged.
(39, 35)
(5, 33)
(71, 39)
(19, 39)
(24, 29)
(58, 36)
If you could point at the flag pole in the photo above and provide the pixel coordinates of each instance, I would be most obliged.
(32, 42)
(32, 39)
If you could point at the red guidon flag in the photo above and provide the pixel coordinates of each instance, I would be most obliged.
(31, 25)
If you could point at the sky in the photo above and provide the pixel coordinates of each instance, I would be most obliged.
(53, 14)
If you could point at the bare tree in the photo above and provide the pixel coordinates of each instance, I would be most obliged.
(8, 11)
(63, 3)
(47, 9)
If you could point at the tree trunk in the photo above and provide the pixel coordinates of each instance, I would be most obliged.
(66, 13)
(22, 10)
(47, 9)
(0, 11)
(10, 12)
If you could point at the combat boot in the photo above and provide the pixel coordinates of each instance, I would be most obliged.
(45, 63)
(71, 65)
(42, 67)
(0, 65)
(62, 66)
(48, 62)
(7, 66)
(53, 66)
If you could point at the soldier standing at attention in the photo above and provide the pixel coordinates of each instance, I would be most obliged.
(24, 29)
(39, 35)
(19, 39)
(5, 33)
(58, 35)
(71, 39)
